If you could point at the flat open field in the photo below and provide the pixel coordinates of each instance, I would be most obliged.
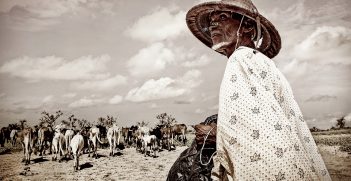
(130, 165)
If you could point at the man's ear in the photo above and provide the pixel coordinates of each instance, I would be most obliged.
(249, 25)
(249, 29)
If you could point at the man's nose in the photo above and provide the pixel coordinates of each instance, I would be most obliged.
(213, 25)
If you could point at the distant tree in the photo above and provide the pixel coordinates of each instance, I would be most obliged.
(142, 123)
(165, 120)
(72, 120)
(340, 122)
(14, 126)
(110, 121)
(101, 121)
(83, 123)
(49, 119)
(314, 129)
(22, 123)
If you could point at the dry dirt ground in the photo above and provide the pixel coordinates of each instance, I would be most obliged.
(128, 165)
(133, 166)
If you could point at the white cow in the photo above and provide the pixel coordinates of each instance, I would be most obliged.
(140, 133)
(77, 144)
(68, 137)
(93, 138)
(13, 135)
(57, 144)
(149, 141)
(113, 136)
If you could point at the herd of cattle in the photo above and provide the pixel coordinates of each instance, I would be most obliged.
(64, 142)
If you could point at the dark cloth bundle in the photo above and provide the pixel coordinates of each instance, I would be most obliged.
(188, 165)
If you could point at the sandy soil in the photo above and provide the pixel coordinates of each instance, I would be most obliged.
(337, 162)
(128, 165)
(133, 166)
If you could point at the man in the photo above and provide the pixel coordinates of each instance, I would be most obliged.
(261, 134)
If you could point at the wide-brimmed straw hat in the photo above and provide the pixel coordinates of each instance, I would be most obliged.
(198, 22)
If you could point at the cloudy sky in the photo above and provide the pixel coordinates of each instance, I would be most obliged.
(135, 59)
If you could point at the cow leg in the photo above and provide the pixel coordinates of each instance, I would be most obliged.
(24, 153)
(50, 151)
(75, 161)
(88, 148)
(95, 149)
(54, 153)
(184, 139)
(61, 151)
(110, 141)
(114, 147)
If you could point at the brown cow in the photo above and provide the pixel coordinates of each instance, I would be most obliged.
(179, 130)
(28, 139)
(4, 135)
(167, 137)
(45, 135)
(125, 134)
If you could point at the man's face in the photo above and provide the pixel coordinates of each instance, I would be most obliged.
(223, 27)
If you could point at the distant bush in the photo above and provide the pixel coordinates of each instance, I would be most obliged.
(345, 148)
(333, 140)
(333, 132)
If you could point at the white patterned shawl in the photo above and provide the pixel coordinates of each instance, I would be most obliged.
(261, 134)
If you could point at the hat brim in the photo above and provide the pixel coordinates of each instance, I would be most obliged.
(198, 23)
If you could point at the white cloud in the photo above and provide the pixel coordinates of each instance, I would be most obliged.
(326, 45)
(215, 107)
(48, 98)
(13, 105)
(153, 106)
(159, 25)
(38, 15)
(85, 102)
(165, 87)
(150, 60)
(154, 90)
(69, 95)
(321, 55)
(116, 99)
(199, 111)
(201, 61)
(321, 98)
(101, 85)
(190, 79)
(56, 68)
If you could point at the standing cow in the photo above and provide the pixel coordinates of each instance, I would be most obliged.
(149, 143)
(179, 130)
(57, 144)
(93, 138)
(4, 136)
(77, 145)
(68, 137)
(13, 138)
(45, 136)
(28, 139)
(113, 136)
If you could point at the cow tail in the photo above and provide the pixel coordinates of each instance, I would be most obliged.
(98, 138)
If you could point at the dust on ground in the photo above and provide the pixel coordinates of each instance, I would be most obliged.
(128, 164)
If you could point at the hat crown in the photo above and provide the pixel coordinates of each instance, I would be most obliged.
(244, 4)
